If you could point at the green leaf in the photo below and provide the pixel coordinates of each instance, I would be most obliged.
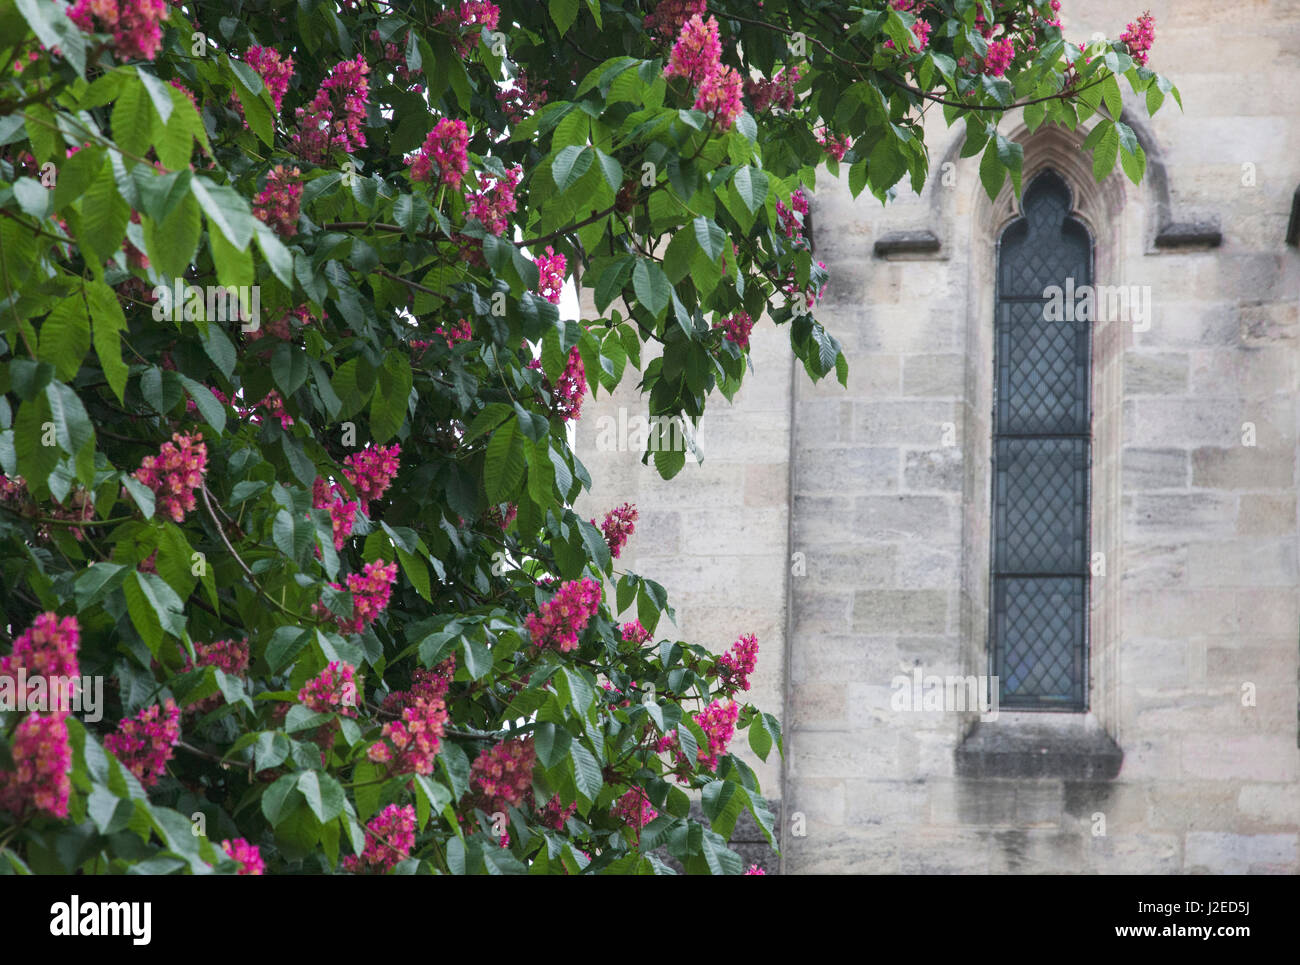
(170, 243)
(563, 12)
(213, 412)
(159, 94)
(992, 171)
(134, 118)
(711, 238)
(388, 404)
(504, 463)
(571, 164)
(104, 215)
(751, 184)
(65, 337)
(322, 793)
(1105, 151)
(652, 288)
(552, 742)
(155, 608)
(72, 426)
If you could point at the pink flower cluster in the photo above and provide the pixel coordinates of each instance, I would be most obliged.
(634, 810)
(1140, 36)
(921, 30)
(329, 122)
(416, 737)
(496, 202)
(793, 218)
(504, 773)
(445, 148)
(277, 204)
(39, 744)
(718, 721)
(634, 633)
(144, 743)
(554, 815)
(1001, 52)
(175, 473)
(246, 855)
(134, 24)
(285, 323)
(371, 471)
(735, 666)
(343, 511)
(519, 100)
(228, 656)
(460, 332)
(736, 328)
(696, 56)
(755, 870)
(47, 648)
(617, 526)
(568, 392)
(390, 835)
(427, 685)
(42, 762)
(370, 592)
(668, 16)
(272, 405)
(777, 92)
(550, 268)
(557, 623)
(274, 70)
(835, 147)
(333, 689)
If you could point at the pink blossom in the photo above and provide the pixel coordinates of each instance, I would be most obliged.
(228, 656)
(370, 593)
(333, 689)
(550, 268)
(557, 623)
(42, 764)
(735, 666)
(175, 473)
(134, 24)
(736, 328)
(504, 773)
(417, 735)
(372, 470)
(520, 100)
(635, 633)
(444, 152)
(390, 835)
(697, 52)
(1140, 36)
(669, 15)
(617, 526)
(718, 721)
(144, 743)
(429, 685)
(494, 204)
(754, 870)
(343, 511)
(571, 387)
(277, 204)
(274, 70)
(246, 855)
(555, 815)
(336, 115)
(719, 97)
(48, 648)
(634, 810)
(835, 147)
(1001, 53)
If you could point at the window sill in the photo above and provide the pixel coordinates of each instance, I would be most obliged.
(1026, 745)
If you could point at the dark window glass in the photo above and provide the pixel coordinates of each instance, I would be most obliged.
(1041, 454)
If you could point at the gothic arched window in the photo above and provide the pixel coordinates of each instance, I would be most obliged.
(1041, 455)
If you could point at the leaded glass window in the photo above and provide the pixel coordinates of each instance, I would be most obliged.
(1041, 454)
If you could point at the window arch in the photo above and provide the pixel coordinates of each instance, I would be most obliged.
(1039, 584)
